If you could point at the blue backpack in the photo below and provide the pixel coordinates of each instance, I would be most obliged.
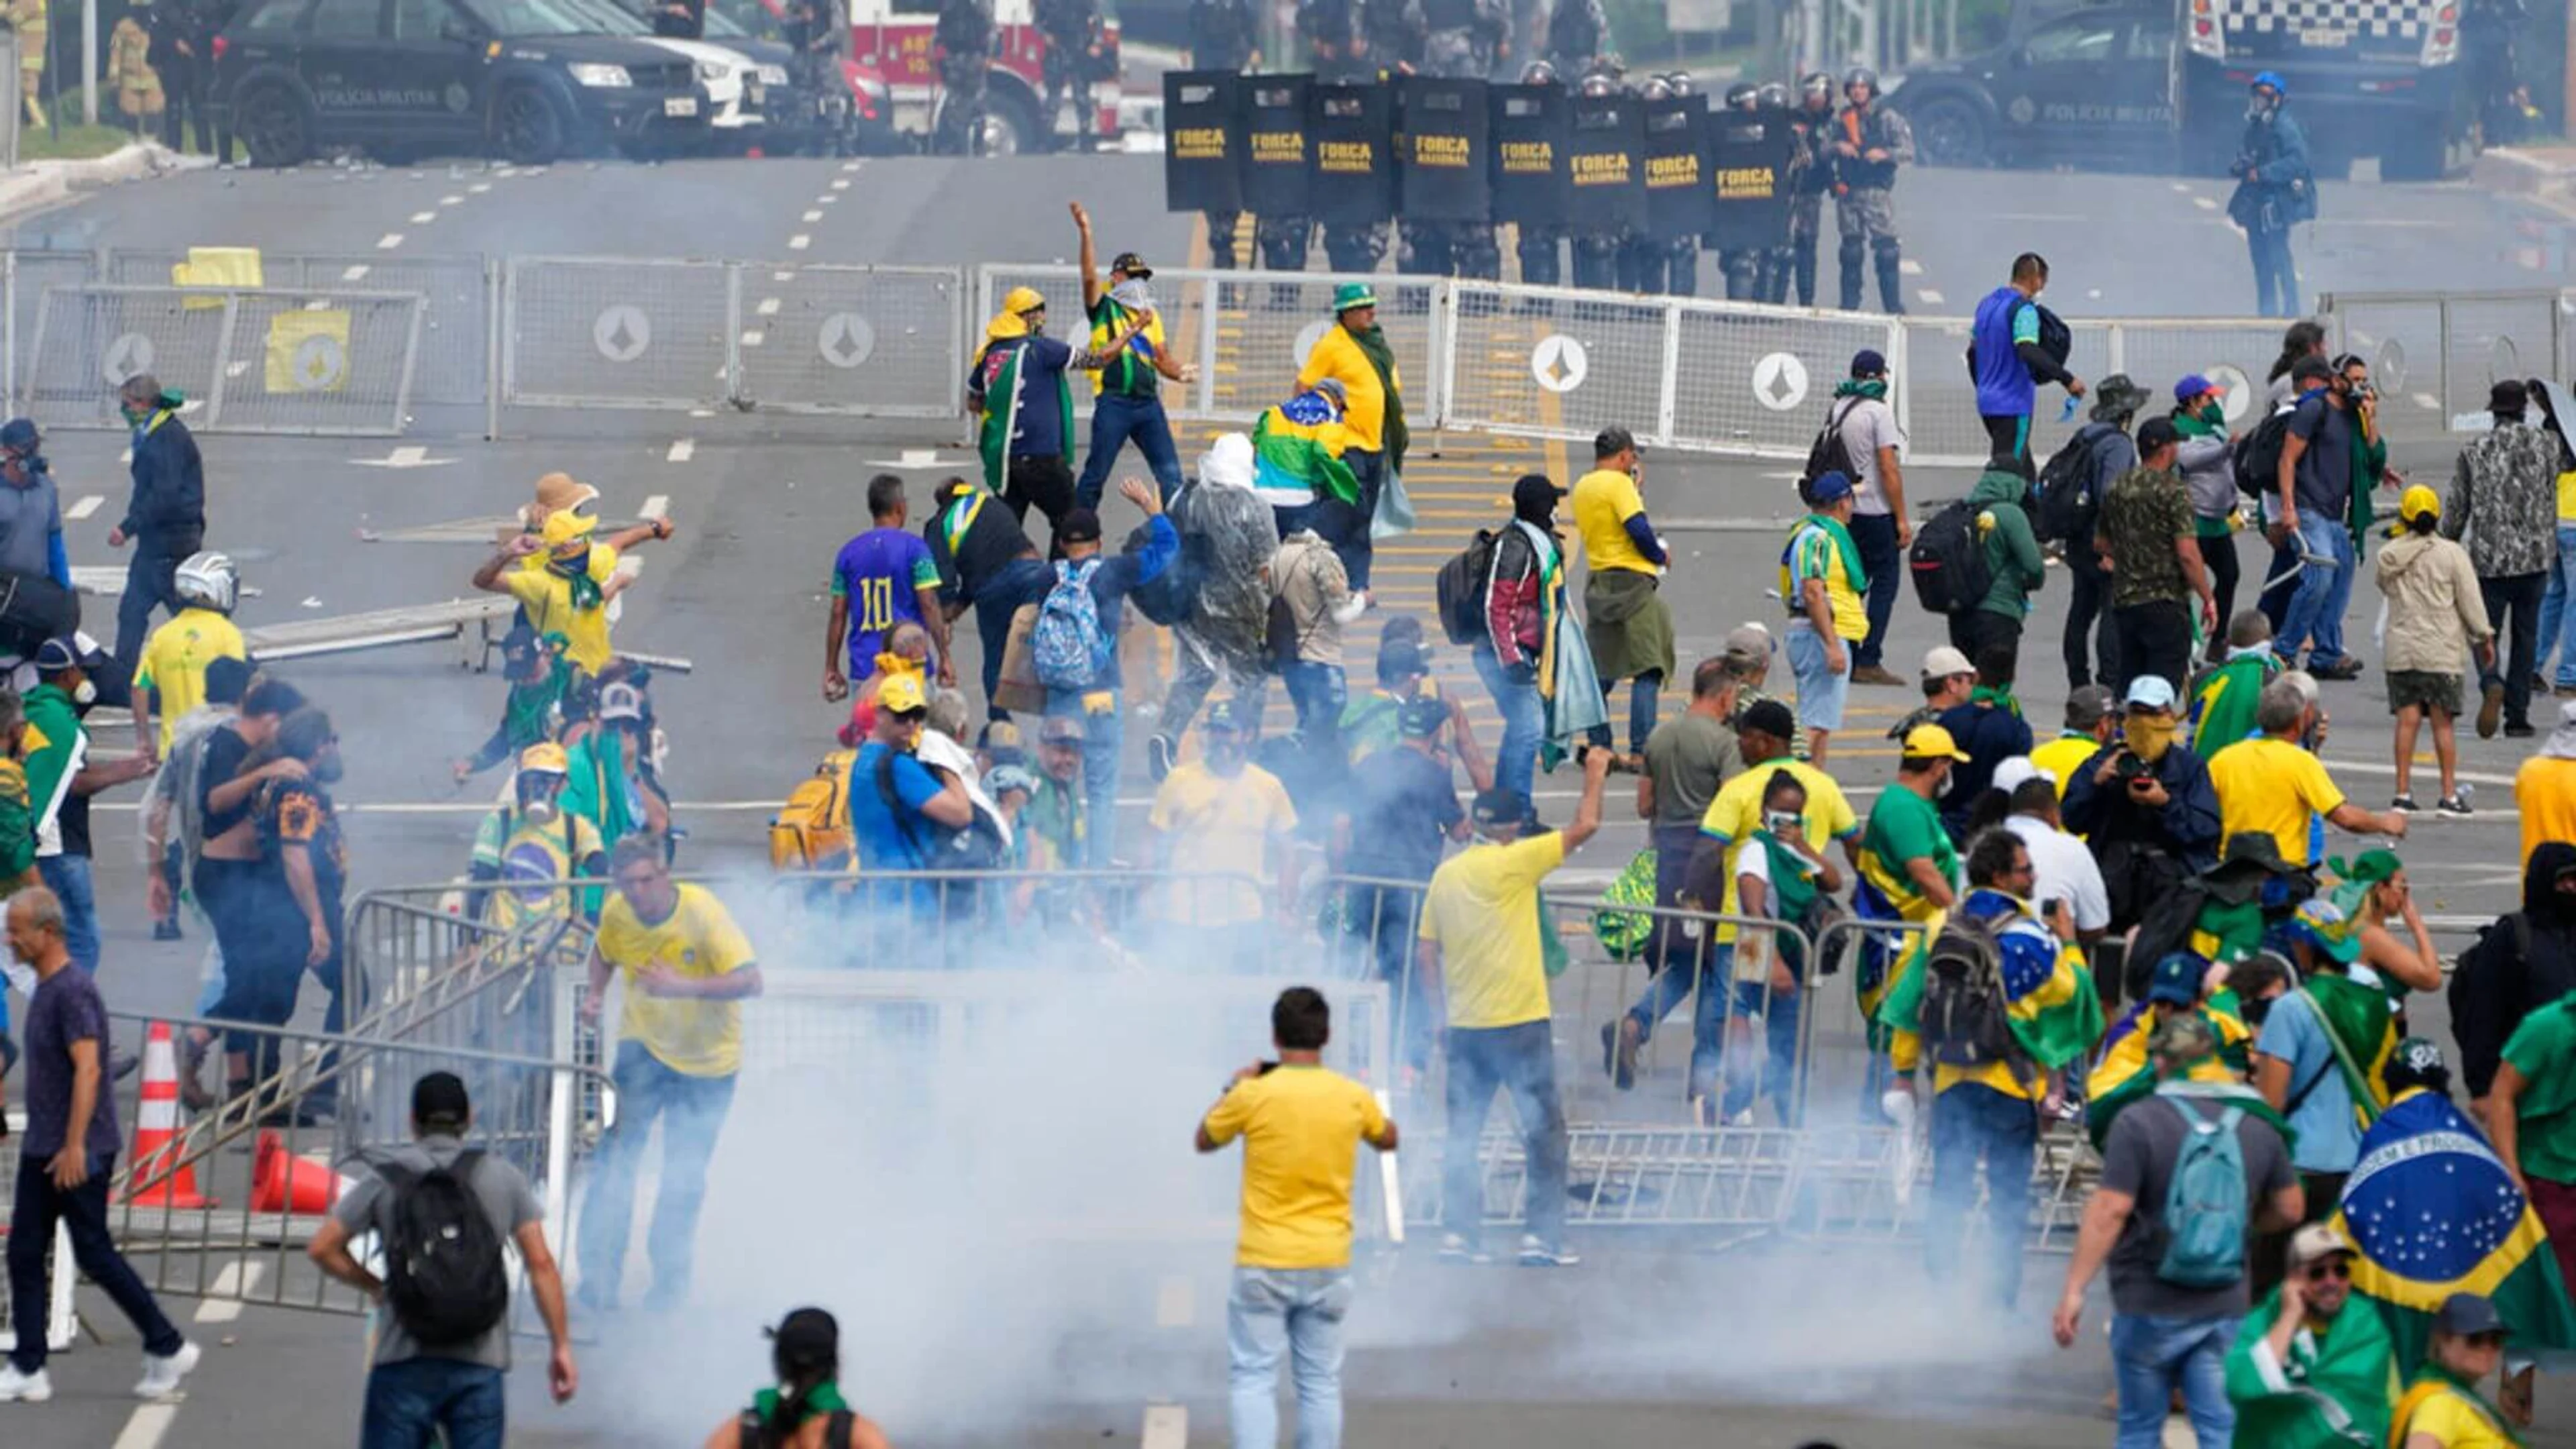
(2205, 1217)
(1067, 644)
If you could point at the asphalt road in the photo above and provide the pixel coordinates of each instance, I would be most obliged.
(1654, 1342)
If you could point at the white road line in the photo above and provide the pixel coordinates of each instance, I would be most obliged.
(768, 307)
(354, 272)
(2184, 189)
(478, 188)
(149, 1424)
(451, 201)
(1910, 267)
(812, 216)
(423, 218)
(754, 337)
(2427, 401)
(87, 505)
(1930, 297)
(2204, 203)
(799, 242)
(848, 166)
(1167, 1426)
(389, 241)
(222, 1303)
(681, 451)
(827, 198)
(840, 185)
(782, 276)
(656, 506)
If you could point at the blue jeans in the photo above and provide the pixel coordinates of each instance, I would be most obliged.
(1021, 581)
(2325, 591)
(1645, 694)
(1385, 921)
(2558, 612)
(1102, 733)
(409, 1403)
(1116, 421)
(67, 876)
(1519, 1060)
(1779, 1076)
(2151, 1357)
(692, 1111)
(2276, 277)
(1359, 549)
(1296, 1312)
(1874, 534)
(1970, 1121)
(1706, 971)
(1524, 721)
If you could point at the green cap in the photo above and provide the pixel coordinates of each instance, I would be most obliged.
(1353, 294)
(2370, 865)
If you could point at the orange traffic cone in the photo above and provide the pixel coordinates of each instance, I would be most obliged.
(280, 1183)
(154, 1183)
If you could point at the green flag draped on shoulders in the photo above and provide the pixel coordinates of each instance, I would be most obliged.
(2329, 1390)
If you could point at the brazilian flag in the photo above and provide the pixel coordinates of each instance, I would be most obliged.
(2364, 1033)
(2052, 1008)
(1299, 443)
(2434, 1213)
(2123, 1074)
(1006, 393)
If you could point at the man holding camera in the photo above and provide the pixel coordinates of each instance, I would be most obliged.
(2145, 803)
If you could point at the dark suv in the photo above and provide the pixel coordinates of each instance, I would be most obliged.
(524, 80)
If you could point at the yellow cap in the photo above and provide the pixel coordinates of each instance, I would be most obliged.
(901, 694)
(546, 758)
(2419, 501)
(1023, 299)
(1931, 742)
(563, 526)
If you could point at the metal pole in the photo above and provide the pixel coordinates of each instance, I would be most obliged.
(89, 63)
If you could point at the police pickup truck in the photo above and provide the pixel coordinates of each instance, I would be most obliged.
(2163, 87)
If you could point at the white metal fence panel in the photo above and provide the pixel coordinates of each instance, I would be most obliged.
(836, 339)
(29, 274)
(318, 362)
(2401, 339)
(1759, 379)
(1556, 362)
(90, 339)
(1937, 399)
(2492, 339)
(607, 332)
(2235, 355)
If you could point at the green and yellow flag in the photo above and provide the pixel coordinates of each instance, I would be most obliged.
(2325, 1393)
(2124, 1075)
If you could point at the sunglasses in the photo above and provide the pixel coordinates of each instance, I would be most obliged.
(2336, 1269)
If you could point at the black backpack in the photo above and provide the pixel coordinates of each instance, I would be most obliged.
(444, 1274)
(1965, 1015)
(1948, 560)
(1828, 454)
(2258, 455)
(1460, 589)
(2067, 502)
(1168, 597)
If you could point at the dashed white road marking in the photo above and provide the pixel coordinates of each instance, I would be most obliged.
(478, 188)
(146, 1428)
(768, 307)
(451, 201)
(88, 504)
(754, 337)
(2428, 402)
(1910, 267)
(827, 198)
(848, 166)
(423, 218)
(813, 216)
(799, 242)
(2180, 187)
(656, 506)
(782, 276)
(1929, 296)
(2204, 203)
(389, 241)
(681, 451)
(1167, 1426)
(354, 272)
(841, 184)
(222, 1303)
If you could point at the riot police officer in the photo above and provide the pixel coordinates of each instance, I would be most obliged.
(1772, 263)
(1578, 34)
(1074, 45)
(1811, 176)
(1870, 142)
(1331, 31)
(1641, 252)
(1391, 37)
(1681, 253)
(1459, 36)
(1597, 249)
(1537, 245)
(1741, 266)
(964, 34)
(1223, 36)
(818, 31)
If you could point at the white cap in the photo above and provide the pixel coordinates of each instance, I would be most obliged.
(1945, 661)
(2012, 774)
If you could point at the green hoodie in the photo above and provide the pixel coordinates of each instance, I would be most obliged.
(2012, 550)
(50, 768)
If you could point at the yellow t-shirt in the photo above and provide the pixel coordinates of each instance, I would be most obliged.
(2452, 1420)
(1301, 1129)
(2272, 785)
(2064, 756)
(1737, 812)
(2567, 500)
(175, 659)
(1603, 501)
(1483, 910)
(2544, 790)
(699, 940)
(1337, 354)
(1219, 827)
(547, 596)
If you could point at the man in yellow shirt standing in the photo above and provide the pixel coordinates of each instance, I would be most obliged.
(1221, 826)
(1354, 353)
(687, 968)
(1301, 1125)
(2544, 789)
(1628, 626)
(566, 577)
(2270, 784)
(170, 678)
(1481, 948)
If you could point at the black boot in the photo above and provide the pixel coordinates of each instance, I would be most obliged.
(1891, 283)
(1851, 256)
(1806, 274)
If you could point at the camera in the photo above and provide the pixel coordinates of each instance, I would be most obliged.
(2128, 769)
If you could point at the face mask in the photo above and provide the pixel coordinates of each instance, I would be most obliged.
(84, 693)
(2148, 736)
(541, 810)
(2257, 107)
(569, 564)
(2215, 415)
(1780, 822)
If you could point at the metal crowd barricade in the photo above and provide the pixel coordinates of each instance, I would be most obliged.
(2437, 353)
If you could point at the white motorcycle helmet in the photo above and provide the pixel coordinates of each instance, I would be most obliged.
(208, 580)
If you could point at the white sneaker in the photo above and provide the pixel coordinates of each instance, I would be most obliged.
(161, 1375)
(18, 1388)
(1538, 1254)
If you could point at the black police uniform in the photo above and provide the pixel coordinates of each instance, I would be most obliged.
(964, 33)
(1221, 38)
(1071, 29)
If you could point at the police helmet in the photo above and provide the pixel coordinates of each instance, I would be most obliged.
(1538, 73)
(1861, 75)
(1816, 83)
(1600, 83)
(1681, 83)
(1656, 88)
(1772, 97)
(208, 580)
(1739, 96)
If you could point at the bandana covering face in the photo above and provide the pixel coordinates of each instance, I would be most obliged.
(2148, 736)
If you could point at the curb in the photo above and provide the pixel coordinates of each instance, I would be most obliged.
(40, 184)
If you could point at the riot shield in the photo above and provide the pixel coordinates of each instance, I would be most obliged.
(1275, 143)
(1605, 176)
(1748, 163)
(1530, 129)
(1679, 203)
(1202, 139)
(1442, 150)
(1350, 168)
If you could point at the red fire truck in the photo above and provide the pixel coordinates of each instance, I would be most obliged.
(894, 38)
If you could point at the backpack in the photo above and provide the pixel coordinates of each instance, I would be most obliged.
(975, 846)
(1460, 590)
(444, 1275)
(1829, 453)
(1067, 644)
(2485, 1004)
(1948, 560)
(812, 830)
(2055, 337)
(2258, 456)
(2067, 502)
(2205, 1216)
(1168, 597)
(1964, 1020)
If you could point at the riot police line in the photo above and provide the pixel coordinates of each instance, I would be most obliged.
(1633, 182)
